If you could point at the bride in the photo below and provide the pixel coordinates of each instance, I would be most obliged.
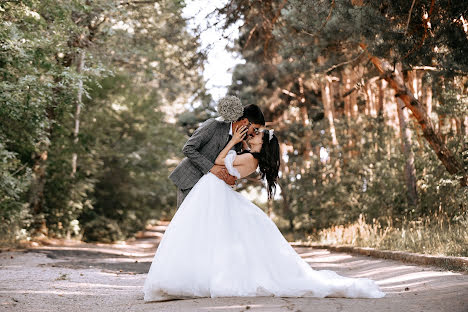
(219, 244)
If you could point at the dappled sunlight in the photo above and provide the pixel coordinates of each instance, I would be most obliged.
(146, 245)
(313, 252)
(385, 271)
(353, 263)
(98, 285)
(393, 277)
(47, 292)
(92, 251)
(415, 276)
(328, 259)
(404, 286)
(73, 288)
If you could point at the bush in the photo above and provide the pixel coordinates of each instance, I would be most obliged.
(14, 182)
(102, 229)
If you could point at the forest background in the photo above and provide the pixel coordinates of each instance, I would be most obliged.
(369, 100)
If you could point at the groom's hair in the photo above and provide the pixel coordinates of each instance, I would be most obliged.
(254, 114)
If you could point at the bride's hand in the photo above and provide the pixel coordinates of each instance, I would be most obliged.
(239, 134)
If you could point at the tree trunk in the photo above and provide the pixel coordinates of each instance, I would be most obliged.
(465, 126)
(39, 176)
(428, 100)
(286, 209)
(368, 107)
(305, 123)
(380, 101)
(405, 135)
(284, 186)
(79, 97)
(347, 110)
(327, 101)
(353, 98)
(36, 193)
(380, 118)
(347, 99)
(450, 162)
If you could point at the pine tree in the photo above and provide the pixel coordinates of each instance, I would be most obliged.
(355, 48)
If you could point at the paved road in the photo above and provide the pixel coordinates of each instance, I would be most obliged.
(96, 277)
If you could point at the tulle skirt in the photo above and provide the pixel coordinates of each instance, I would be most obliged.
(219, 244)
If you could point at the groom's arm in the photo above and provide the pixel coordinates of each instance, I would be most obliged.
(222, 173)
(191, 149)
(200, 137)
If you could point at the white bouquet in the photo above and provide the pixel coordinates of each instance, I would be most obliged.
(230, 108)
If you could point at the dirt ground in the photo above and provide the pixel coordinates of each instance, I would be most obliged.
(71, 276)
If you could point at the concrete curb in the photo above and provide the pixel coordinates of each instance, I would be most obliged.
(449, 263)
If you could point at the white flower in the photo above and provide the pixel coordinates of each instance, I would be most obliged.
(230, 108)
(270, 132)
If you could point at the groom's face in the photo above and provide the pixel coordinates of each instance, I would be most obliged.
(253, 129)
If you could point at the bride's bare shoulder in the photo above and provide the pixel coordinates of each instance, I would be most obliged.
(246, 164)
(246, 159)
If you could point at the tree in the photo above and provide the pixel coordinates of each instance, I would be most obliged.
(68, 64)
(319, 63)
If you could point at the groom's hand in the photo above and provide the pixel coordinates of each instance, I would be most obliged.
(230, 180)
(222, 173)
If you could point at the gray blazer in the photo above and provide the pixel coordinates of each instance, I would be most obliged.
(201, 150)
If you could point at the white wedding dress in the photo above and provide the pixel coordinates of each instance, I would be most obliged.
(219, 244)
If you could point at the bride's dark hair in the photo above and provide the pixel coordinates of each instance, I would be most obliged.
(269, 161)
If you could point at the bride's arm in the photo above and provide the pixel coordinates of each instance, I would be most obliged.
(237, 136)
(220, 159)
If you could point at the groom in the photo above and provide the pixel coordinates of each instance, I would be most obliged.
(204, 146)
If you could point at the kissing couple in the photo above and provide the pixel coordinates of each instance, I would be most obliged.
(219, 244)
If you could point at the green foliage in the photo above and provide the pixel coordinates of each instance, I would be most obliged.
(434, 36)
(339, 188)
(139, 61)
(102, 229)
(14, 182)
(131, 181)
(290, 49)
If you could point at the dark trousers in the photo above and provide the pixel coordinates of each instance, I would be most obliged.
(181, 194)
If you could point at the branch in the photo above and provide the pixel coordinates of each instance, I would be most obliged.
(396, 82)
(328, 17)
(250, 36)
(19, 169)
(409, 16)
(269, 28)
(289, 93)
(358, 85)
(278, 13)
(432, 68)
(344, 63)
(427, 22)
(324, 23)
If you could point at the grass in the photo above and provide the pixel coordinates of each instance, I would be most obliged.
(434, 236)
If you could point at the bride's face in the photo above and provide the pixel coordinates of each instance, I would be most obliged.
(256, 142)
